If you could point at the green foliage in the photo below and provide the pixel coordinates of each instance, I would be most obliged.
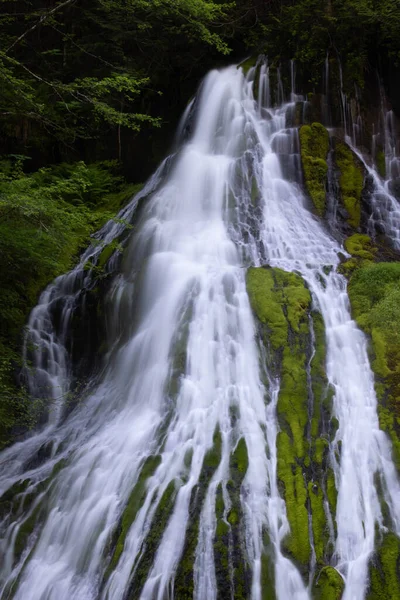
(97, 66)
(314, 142)
(307, 30)
(45, 220)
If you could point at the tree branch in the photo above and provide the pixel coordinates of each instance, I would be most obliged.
(42, 19)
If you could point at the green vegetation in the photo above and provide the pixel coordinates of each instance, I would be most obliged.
(351, 182)
(380, 161)
(134, 503)
(232, 569)
(385, 570)
(314, 141)
(184, 582)
(45, 220)
(281, 302)
(362, 251)
(329, 585)
(374, 292)
(282, 305)
(158, 524)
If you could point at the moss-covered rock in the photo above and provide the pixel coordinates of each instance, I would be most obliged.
(385, 570)
(362, 250)
(231, 565)
(153, 539)
(329, 585)
(247, 64)
(133, 505)
(184, 579)
(297, 354)
(351, 181)
(360, 246)
(374, 292)
(281, 302)
(314, 147)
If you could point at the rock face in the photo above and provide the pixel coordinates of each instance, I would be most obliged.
(314, 143)
(294, 339)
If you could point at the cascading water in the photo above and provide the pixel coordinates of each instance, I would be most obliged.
(178, 441)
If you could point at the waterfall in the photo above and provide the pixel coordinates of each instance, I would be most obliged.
(176, 440)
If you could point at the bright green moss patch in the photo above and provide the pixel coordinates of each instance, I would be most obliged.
(385, 570)
(374, 292)
(362, 252)
(281, 302)
(314, 147)
(360, 246)
(329, 585)
(270, 292)
(319, 524)
(351, 181)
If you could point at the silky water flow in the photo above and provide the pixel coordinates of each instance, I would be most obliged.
(183, 360)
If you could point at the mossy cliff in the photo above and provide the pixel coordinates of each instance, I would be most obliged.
(282, 305)
(374, 292)
(351, 182)
(314, 147)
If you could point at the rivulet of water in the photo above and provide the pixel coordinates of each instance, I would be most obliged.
(184, 380)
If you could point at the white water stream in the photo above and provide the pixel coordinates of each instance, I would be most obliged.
(185, 269)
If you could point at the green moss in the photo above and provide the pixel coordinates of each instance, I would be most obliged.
(331, 492)
(380, 160)
(184, 581)
(105, 254)
(385, 570)
(319, 524)
(231, 565)
(240, 459)
(152, 540)
(314, 147)
(134, 503)
(281, 302)
(374, 292)
(247, 64)
(222, 543)
(267, 577)
(360, 246)
(272, 290)
(351, 181)
(329, 585)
